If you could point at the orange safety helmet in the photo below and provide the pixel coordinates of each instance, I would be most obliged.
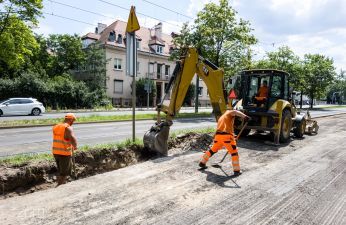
(70, 116)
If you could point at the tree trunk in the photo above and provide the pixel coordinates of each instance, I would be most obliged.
(301, 99)
(311, 100)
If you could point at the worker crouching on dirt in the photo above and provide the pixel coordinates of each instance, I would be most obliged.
(224, 137)
(64, 143)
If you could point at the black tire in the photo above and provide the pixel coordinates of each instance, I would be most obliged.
(1, 112)
(35, 111)
(286, 126)
(300, 129)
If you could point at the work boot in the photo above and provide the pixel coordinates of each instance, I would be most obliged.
(236, 173)
(202, 165)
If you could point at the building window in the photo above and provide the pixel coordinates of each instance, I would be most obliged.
(151, 70)
(167, 70)
(200, 91)
(138, 68)
(111, 36)
(120, 39)
(159, 49)
(159, 70)
(117, 64)
(118, 86)
(138, 44)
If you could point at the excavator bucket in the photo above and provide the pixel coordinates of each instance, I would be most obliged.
(156, 138)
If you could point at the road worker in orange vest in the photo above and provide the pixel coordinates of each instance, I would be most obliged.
(64, 143)
(224, 137)
(262, 94)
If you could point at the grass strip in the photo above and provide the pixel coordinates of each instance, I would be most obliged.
(97, 118)
(22, 159)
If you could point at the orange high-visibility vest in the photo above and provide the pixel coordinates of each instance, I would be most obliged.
(225, 123)
(61, 146)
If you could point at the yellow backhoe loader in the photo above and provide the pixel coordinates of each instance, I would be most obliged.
(276, 114)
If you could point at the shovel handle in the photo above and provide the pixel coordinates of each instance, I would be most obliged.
(241, 131)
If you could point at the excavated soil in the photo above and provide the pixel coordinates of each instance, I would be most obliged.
(28, 178)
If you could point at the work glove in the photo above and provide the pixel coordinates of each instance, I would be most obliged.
(247, 118)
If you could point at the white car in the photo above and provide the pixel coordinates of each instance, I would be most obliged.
(21, 106)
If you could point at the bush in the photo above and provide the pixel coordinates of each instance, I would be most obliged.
(56, 93)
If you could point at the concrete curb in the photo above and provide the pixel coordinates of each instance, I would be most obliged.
(115, 121)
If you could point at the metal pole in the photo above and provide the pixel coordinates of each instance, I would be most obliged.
(148, 91)
(134, 86)
(196, 92)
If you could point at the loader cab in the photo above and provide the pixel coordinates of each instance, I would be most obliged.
(260, 89)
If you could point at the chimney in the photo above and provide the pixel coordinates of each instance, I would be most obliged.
(100, 27)
(158, 31)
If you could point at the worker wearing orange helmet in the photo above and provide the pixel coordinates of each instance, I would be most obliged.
(224, 137)
(64, 143)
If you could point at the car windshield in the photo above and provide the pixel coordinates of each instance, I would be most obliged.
(3, 101)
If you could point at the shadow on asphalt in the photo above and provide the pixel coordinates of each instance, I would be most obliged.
(219, 179)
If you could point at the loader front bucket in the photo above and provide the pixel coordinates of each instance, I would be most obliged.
(156, 138)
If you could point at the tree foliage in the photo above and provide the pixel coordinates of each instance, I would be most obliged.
(17, 44)
(220, 37)
(142, 94)
(284, 59)
(319, 72)
(23, 10)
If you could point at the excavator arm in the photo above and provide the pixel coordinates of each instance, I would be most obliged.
(189, 65)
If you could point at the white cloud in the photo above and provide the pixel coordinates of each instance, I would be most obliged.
(197, 5)
(43, 29)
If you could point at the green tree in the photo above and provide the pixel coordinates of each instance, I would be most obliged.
(141, 93)
(336, 92)
(17, 44)
(67, 53)
(94, 66)
(220, 37)
(318, 73)
(284, 59)
(23, 10)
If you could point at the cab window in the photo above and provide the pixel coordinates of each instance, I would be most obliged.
(276, 87)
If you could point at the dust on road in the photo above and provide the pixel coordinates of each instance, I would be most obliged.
(303, 182)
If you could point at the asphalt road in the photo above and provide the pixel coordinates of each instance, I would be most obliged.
(303, 182)
(38, 139)
(86, 114)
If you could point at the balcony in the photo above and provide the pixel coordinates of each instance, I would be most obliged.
(157, 76)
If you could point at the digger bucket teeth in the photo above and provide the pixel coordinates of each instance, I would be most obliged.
(156, 139)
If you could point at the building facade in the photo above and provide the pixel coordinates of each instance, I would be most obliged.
(153, 62)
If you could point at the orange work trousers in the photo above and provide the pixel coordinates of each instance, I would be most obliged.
(227, 141)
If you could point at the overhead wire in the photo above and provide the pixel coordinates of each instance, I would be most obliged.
(139, 13)
(80, 9)
(68, 18)
(162, 7)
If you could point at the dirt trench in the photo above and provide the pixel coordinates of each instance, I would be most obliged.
(31, 177)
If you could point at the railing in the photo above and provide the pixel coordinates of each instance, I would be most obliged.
(157, 76)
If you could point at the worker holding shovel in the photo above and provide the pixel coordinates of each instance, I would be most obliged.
(224, 137)
(64, 145)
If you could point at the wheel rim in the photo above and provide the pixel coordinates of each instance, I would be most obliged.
(285, 127)
(302, 128)
(36, 112)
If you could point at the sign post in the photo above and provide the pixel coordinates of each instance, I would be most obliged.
(131, 60)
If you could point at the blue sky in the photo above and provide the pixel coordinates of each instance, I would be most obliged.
(306, 26)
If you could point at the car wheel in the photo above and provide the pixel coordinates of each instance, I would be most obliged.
(1, 112)
(36, 112)
(300, 129)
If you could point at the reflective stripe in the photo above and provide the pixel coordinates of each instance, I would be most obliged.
(235, 162)
(62, 149)
(206, 157)
(61, 141)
